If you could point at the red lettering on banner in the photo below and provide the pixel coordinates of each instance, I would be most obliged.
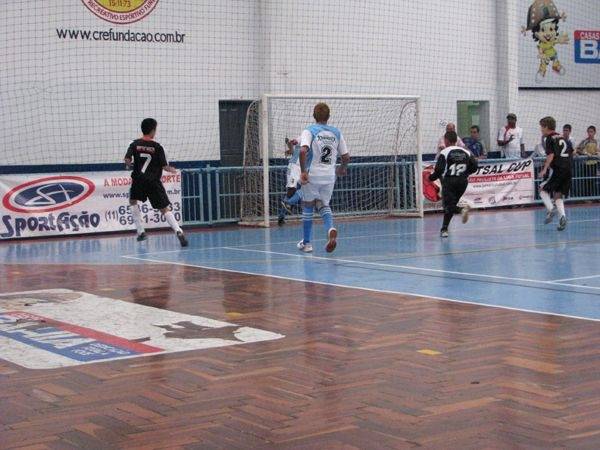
(505, 177)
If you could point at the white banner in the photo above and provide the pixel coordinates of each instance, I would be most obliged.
(76, 203)
(501, 184)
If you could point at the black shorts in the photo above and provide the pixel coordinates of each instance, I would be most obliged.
(143, 190)
(557, 181)
(453, 189)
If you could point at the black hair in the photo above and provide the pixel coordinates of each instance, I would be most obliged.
(451, 137)
(592, 127)
(567, 126)
(536, 29)
(476, 127)
(148, 126)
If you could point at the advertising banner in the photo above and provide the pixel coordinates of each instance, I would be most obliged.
(560, 44)
(501, 184)
(75, 203)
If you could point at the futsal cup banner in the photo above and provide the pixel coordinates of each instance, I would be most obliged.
(501, 184)
(76, 203)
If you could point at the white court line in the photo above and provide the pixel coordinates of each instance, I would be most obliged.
(462, 230)
(577, 278)
(382, 291)
(483, 277)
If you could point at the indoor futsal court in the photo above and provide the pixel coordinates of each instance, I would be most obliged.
(414, 345)
(299, 225)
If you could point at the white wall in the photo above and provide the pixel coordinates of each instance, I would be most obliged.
(72, 101)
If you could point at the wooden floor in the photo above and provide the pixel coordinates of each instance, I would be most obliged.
(356, 369)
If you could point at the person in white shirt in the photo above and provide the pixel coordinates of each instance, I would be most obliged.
(510, 138)
(441, 145)
(321, 144)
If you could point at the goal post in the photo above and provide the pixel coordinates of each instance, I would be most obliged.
(383, 135)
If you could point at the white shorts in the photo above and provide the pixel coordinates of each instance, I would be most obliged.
(293, 175)
(320, 192)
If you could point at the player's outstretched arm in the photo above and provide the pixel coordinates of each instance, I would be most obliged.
(303, 169)
(290, 143)
(440, 166)
(343, 168)
(170, 169)
(547, 163)
(473, 164)
(129, 157)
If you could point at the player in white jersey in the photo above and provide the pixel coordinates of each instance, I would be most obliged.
(293, 194)
(321, 145)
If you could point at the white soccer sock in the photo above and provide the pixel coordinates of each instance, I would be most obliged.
(560, 206)
(172, 221)
(547, 200)
(137, 218)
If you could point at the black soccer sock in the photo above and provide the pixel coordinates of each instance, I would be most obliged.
(447, 219)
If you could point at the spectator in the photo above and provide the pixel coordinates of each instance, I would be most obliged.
(566, 134)
(510, 138)
(474, 144)
(441, 143)
(589, 146)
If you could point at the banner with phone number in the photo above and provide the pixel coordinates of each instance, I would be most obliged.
(75, 203)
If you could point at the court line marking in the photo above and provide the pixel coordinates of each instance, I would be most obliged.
(577, 278)
(483, 277)
(382, 291)
(462, 230)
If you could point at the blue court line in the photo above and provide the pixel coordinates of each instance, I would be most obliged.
(461, 231)
(368, 289)
(410, 269)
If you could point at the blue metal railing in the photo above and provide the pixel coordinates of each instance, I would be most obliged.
(213, 195)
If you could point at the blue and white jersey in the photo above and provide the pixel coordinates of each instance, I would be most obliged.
(325, 144)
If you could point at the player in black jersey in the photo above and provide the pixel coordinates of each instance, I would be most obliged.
(148, 160)
(453, 167)
(556, 173)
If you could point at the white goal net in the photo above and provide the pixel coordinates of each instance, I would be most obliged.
(382, 134)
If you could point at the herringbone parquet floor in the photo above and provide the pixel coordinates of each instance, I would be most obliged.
(356, 369)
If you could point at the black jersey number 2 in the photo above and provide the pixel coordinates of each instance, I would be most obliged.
(326, 155)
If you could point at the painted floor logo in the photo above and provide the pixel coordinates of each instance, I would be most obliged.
(58, 328)
(121, 11)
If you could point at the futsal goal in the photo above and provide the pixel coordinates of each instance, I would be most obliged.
(384, 140)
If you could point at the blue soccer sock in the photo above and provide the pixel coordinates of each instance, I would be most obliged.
(307, 222)
(327, 216)
(294, 199)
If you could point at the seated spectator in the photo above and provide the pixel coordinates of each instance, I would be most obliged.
(589, 146)
(566, 134)
(510, 138)
(441, 144)
(474, 144)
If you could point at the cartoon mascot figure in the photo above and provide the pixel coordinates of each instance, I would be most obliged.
(542, 20)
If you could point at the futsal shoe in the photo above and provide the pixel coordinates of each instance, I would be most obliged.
(141, 237)
(182, 240)
(306, 248)
(465, 213)
(444, 233)
(550, 216)
(332, 240)
(562, 223)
